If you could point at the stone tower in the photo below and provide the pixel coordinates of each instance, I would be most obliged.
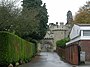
(69, 23)
(69, 17)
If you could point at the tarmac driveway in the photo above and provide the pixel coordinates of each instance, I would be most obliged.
(46, 59)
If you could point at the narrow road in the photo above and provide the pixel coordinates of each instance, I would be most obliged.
(46, 59)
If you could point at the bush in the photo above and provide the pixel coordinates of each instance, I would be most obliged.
(13, 49)
(62, 43)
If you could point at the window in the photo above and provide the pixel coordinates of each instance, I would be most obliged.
(86, 32)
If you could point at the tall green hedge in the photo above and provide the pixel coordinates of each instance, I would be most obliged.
(13, 49)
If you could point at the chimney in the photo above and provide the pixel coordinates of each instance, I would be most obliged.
(51, 25)
(61, 24)
(57, 24)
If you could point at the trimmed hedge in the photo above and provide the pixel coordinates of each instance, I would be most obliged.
(62, 43)
(13, 49)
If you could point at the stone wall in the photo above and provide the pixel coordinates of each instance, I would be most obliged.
(58, 35)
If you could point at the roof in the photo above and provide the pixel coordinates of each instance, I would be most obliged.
(75, 33)
(83, 24)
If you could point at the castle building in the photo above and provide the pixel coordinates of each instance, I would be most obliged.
(59, 32)
(56, 32)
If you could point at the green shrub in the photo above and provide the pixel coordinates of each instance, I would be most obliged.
(13, 49)
(62, 43)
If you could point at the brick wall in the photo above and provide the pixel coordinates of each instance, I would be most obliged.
(61, 52)
(85, 46)
(72, 54)
(72, 51)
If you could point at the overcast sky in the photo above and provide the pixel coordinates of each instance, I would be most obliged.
(57, 9)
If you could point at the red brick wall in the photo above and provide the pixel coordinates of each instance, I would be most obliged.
(85, 46)
(61, 52)
(72, 54)
(75, 54)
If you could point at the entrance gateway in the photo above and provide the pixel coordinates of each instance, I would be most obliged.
(47, 45)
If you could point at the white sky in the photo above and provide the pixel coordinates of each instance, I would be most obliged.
(57, 9)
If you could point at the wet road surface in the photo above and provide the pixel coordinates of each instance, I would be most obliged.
(46, 59)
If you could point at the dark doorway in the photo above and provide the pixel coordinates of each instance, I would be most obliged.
(79, 49)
